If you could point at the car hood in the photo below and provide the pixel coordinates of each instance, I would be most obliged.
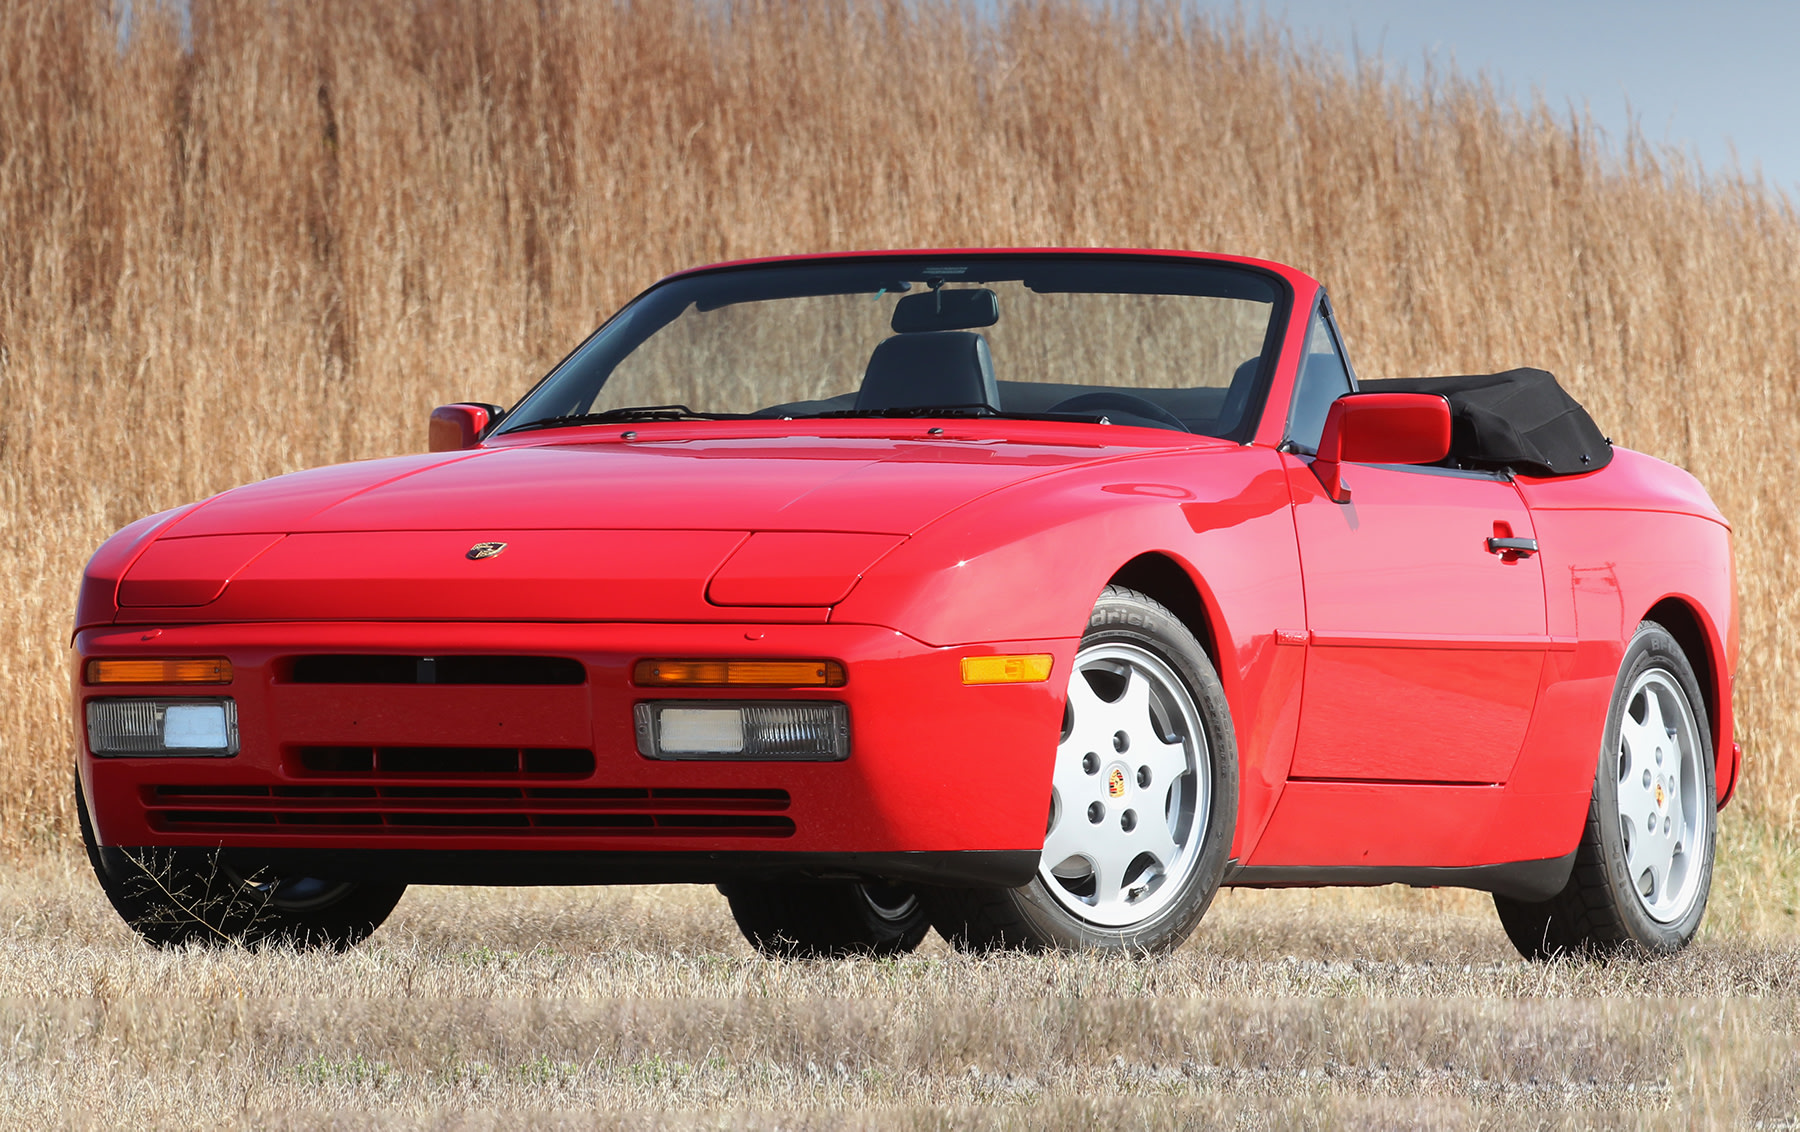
(878, 485)
(657, 530)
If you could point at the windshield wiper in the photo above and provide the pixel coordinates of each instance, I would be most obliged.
(629, 413)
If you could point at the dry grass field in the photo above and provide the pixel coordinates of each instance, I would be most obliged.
(279, 244)
(642, 1008)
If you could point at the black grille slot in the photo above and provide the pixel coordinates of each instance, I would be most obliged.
(338, 760)
(461, 821)
(552, 761)
(447, 760)
(548, 762)
(359, 668)
(388, 807)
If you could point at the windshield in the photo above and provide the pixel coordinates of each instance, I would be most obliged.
(1165, 343)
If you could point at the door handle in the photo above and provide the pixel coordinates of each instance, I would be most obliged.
(1523, 547)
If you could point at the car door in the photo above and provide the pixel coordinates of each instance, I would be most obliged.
(1425, 647)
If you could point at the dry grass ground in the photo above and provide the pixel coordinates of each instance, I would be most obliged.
(643, 1008)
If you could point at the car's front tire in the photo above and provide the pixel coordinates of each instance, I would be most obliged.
(1643, 869)
(172, 897)
(1143, 801)
(805, 919)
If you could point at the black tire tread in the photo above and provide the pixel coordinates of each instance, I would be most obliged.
(980, 919)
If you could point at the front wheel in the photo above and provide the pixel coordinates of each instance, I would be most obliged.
(807, 919)
(1143, 799)
(1643, 869)
(172, 897)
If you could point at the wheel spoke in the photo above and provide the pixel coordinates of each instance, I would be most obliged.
(1637, 743)
(1111, 856)
(1065, 838)
(1635, 799)
(1087, 705)
(1073, 783)
(1152, 836)
(1132, 708)
(1660, 849)
(1639, 856)
(1167, 762)
(1654, 727)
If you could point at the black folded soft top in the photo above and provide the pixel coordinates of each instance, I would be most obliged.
(1521, 420)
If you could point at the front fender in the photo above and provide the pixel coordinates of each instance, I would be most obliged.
(1026, 563)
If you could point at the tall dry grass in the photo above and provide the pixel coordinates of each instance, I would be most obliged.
(279, 246)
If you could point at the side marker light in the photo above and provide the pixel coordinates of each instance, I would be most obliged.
(1032, 668)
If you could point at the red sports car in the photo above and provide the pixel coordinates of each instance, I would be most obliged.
(1030, 595)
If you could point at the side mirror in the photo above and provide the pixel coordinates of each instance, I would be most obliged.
(459, 426)
(1380, 428)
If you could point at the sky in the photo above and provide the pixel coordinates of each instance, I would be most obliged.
(1704, 77)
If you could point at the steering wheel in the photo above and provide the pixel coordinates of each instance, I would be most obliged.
(1102, 399)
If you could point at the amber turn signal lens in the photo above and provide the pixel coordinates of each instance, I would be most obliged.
(738, 674)
(1033, 668)
(214, 671)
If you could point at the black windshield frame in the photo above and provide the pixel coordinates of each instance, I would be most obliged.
(1046, 272)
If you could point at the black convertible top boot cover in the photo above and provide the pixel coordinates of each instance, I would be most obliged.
(1521, 419)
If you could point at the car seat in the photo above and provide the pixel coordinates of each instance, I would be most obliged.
(940, 367)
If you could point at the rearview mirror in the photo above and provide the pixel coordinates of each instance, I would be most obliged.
(943, 309)
(459, 426)
(1380, 428)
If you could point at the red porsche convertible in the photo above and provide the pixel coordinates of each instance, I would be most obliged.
(1030, 595)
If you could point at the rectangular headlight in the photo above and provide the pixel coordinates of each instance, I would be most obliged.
(703, 729)
(162, 727)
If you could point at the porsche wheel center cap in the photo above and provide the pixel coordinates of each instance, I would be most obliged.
(1115, 782)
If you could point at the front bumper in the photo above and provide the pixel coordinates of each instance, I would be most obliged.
(935, 768)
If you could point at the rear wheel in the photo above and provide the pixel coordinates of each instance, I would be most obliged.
(1643, 870)
(817, 919)
(177, 896)
(1143, 799)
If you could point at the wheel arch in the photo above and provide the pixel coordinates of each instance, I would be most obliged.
(1163, 579)
(1704, 651)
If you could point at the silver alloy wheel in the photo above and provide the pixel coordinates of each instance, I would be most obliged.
(1660, 796)
(1130, 788)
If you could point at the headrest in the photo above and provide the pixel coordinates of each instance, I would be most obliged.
(1237, 394)
(944, 367)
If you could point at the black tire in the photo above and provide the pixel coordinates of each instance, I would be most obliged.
(1604, 909)
(1036, 916)
(806, 919)
(172, 897)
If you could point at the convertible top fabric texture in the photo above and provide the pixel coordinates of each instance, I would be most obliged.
(1521, 419)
